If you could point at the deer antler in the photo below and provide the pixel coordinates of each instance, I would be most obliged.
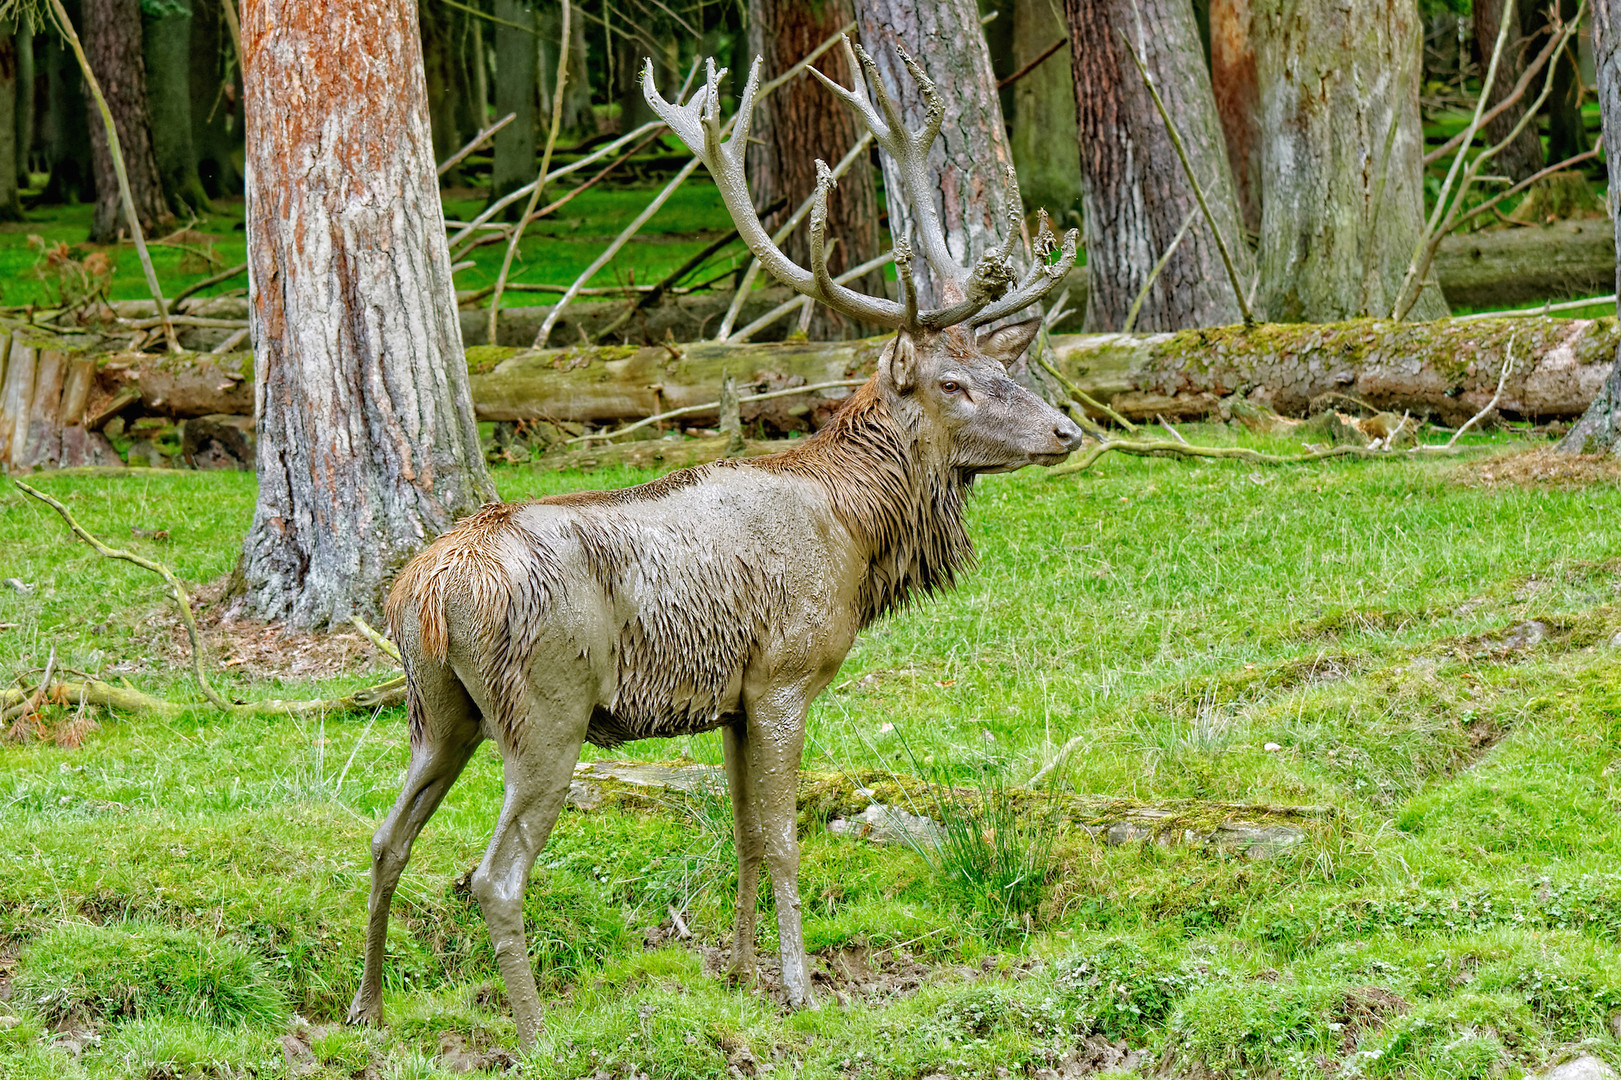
(980, 295)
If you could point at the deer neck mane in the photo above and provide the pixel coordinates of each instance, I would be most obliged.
(894, 494)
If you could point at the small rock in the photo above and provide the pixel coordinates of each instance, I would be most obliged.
(1615, 1025)
(1526, 635)
(18, 585)
(888, 825)
(1586, 1067)
(9, 1022)
(1615, 643)
(1271, 748)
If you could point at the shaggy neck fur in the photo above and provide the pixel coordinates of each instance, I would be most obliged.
(892, 493)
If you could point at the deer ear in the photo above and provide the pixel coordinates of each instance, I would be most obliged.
(899, 361)
(1008, 343)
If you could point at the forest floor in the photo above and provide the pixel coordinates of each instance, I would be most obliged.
(1428, 647)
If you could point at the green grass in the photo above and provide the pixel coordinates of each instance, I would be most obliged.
(1460, 917)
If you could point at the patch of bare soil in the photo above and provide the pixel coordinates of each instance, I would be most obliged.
(846, 974)
(259, 650)
(1363, 1008)
(1543, 467)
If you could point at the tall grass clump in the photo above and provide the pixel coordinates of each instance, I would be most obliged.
(995, 848)
(139, 970)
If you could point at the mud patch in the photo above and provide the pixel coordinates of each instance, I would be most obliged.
(458, 1055)
(1093, 1054)
(1363, 1008)
(1540, 468)
(846, 974)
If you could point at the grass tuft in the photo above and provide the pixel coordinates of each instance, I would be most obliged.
(81, 971)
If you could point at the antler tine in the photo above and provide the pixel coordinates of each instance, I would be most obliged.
(856, 97)
(910, 150)
(698, 124)
(684, 120)
(841, 299)
(1037, 283)
(903, 272)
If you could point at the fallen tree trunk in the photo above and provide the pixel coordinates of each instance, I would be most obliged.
(1444, 369)
(1503, 267)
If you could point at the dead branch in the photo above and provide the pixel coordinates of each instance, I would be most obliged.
(95, 692)
(473, 144)
(1545, 309)
(713, 406)
(804, 301)
(197, 287)
(384, 646)
(1446, 217)
(1082, 398)
(116, 150)
(1032, 65)
(540, 180)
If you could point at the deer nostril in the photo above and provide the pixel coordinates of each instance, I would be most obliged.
(1068, 432)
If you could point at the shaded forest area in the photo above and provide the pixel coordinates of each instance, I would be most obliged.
(178, 104)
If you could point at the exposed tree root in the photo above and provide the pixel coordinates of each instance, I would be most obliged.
(128, 699)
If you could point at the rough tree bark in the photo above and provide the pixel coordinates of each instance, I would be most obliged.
(972, 155)
(800, 123)
(1238, 101)
(11, 208)
(166, 45)
(515, 59)
(112, 42)
(1137, 194)
(1600, 427)
(1522, 157)
(216, 102)
(1044, 146)
(1340, 216)
(366, 440)
(26, 101)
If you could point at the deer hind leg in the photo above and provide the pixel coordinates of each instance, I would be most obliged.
(750, 843)
(445, 734)
(538, 767)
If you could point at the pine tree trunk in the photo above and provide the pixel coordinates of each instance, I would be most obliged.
(1340, 216)
(366, 441)
(66, 136)
(1044, 147)
(216, 103)
(800, 123)
(112, 42)
(1137, 194)
(166, 45)
(1238, 101)
(1599, 429)
(515, 57)
(1523, 157)
(11, 208)
(972, 155)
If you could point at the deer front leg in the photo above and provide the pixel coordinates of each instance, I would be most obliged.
(776, 736)
(750, 843)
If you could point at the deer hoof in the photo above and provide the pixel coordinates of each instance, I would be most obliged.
(365, 1012)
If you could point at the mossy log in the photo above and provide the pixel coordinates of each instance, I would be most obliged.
(887, 808)
(1446, 369)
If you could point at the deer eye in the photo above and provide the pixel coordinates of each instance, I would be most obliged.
(950, 386)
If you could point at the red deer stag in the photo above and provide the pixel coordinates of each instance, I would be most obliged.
(724, 596)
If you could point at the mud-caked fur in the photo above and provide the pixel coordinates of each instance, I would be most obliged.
(724, 596)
